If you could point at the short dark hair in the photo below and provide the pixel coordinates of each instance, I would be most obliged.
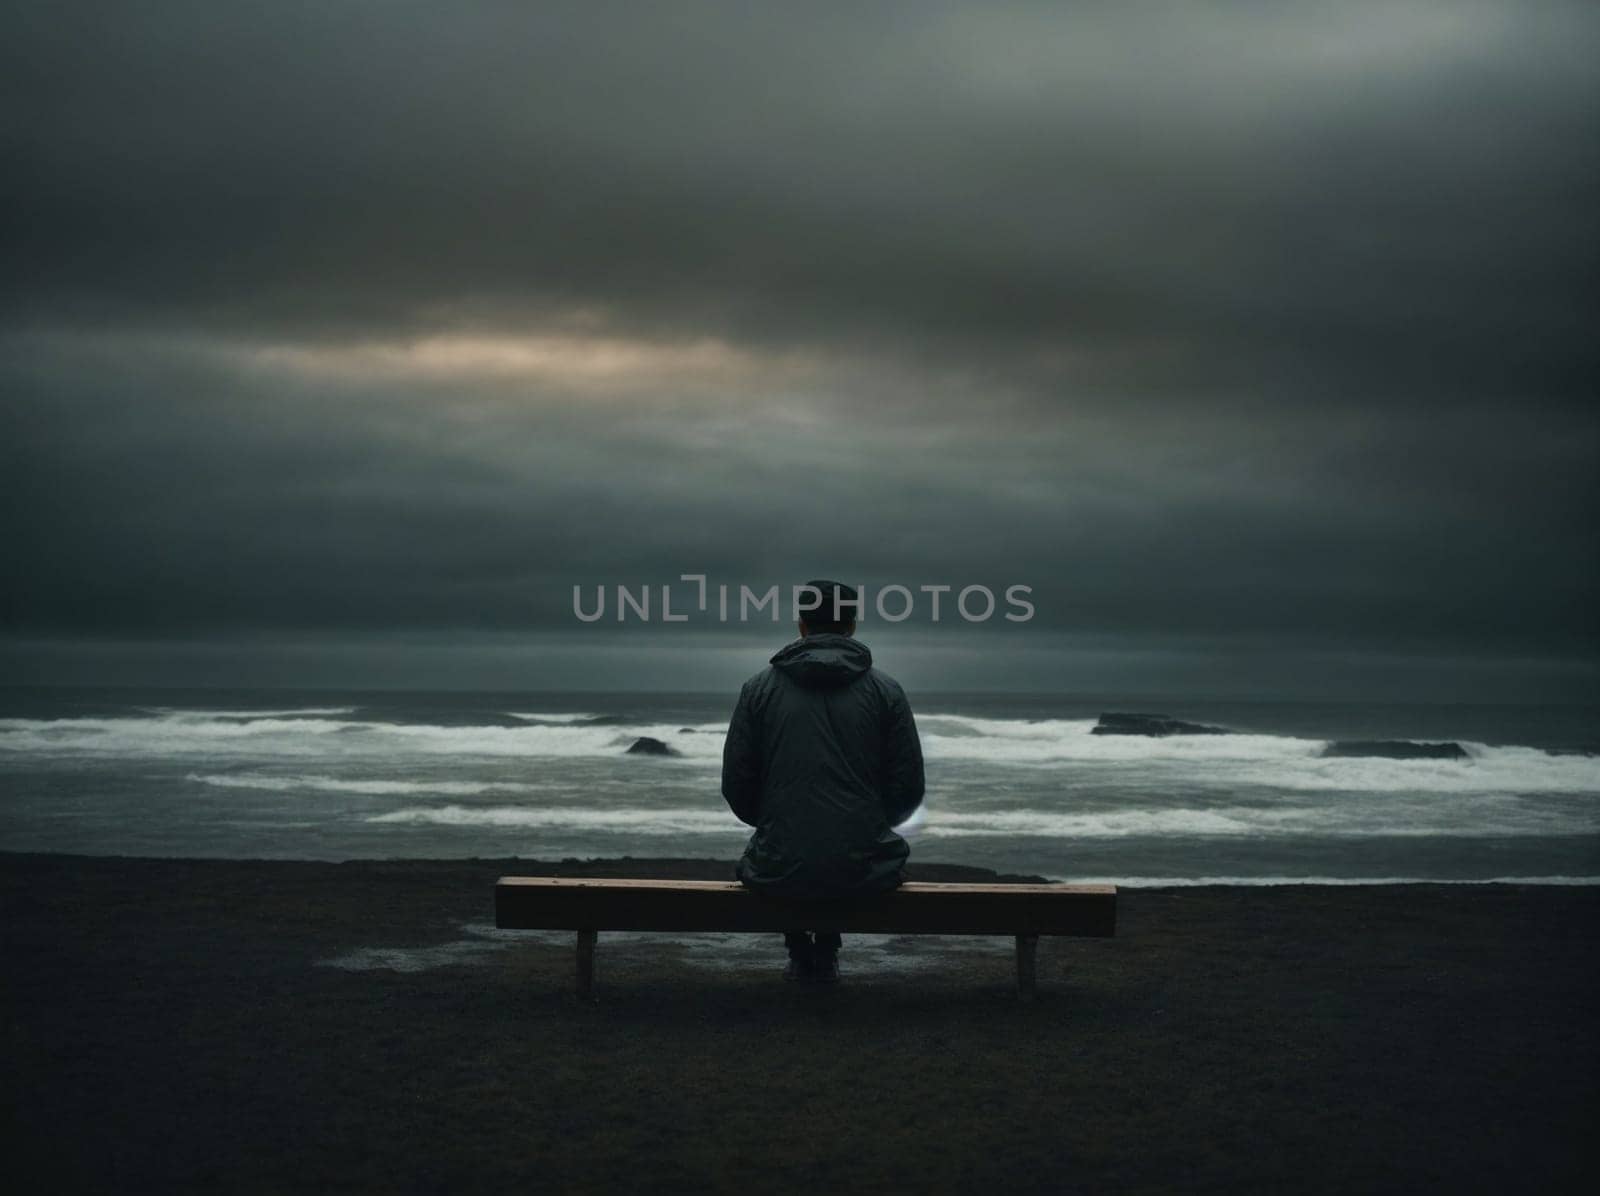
(828, 605)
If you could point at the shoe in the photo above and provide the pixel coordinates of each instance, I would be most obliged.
(825, 968)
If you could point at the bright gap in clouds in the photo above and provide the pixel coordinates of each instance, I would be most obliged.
(564, 359)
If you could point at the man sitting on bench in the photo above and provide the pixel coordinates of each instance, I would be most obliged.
(822, 758)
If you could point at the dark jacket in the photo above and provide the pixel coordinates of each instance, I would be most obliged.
(822, 758)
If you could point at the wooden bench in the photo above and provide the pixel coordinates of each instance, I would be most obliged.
(590, 906)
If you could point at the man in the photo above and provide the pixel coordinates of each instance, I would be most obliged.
(823, 759)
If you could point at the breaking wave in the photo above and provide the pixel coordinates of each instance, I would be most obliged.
(365, 788)
(1506, 818)
(1037, 794)
(190, 733)
(636, 820)
(1282, 763)
(255, 712)
(1399, 817)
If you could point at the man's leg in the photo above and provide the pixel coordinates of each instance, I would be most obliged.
(825, 957)
(798, 943)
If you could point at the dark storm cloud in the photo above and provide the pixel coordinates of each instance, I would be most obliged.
(1197, 318)
(204, 495)
(1389, 198)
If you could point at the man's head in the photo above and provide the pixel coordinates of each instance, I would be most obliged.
(828, 606)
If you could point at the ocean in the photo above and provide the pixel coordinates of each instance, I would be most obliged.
(1015, 782)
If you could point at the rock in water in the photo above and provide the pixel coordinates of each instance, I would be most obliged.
(1395, 749)
(1150, 724)
(645, 745)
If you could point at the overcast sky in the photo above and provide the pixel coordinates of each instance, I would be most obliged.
(338, 342)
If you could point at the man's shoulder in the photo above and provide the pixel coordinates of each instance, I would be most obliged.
(886, 684)
(757, 682)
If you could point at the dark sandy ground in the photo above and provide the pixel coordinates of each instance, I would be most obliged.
(304, 1027)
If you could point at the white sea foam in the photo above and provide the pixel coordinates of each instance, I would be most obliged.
(635, 820)
(366, 788)
(168, 735)
(294, 712)
(1487, 817)
(1025, 741)
(1490, 818)
(963, 747)
(1275, 761)
(1266, 803)
(186, 734)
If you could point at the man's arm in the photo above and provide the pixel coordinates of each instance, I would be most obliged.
(903, 782)
(741, 762)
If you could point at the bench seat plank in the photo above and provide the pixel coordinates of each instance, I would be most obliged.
(564, 903)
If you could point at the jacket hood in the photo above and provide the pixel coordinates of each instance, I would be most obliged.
(824, 660)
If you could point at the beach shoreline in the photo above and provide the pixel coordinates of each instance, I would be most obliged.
(277, 1025)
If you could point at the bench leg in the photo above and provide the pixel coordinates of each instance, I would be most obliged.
(1027, 970)
(586, 941)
